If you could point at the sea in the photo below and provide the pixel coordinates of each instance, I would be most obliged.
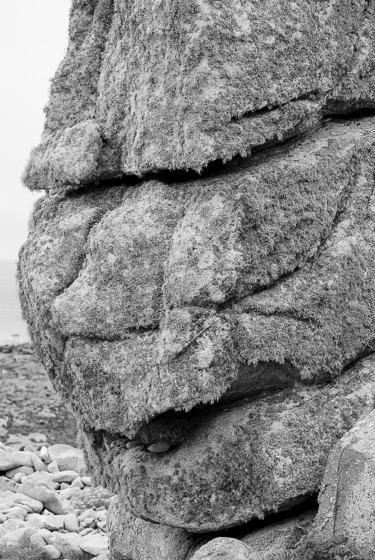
(13, 329)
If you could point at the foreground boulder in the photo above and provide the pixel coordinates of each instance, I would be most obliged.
(236, 462)
(199, 280)
(347, 502)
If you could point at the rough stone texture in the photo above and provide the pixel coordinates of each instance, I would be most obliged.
(233, 463)
(160, 297)
(278, 540)
(136, 539)
(147, 86)
(347, 500)
(51, 259)
(223, 548)
(219, 316)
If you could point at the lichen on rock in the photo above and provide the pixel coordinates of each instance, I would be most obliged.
(199, 279)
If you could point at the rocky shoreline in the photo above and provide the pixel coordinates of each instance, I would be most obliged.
(48, 503)
(28, 403)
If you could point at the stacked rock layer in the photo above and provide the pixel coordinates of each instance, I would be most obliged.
(212, 332)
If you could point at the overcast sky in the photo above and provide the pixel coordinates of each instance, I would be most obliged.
(33, 40)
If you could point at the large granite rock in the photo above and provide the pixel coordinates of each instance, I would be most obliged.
(207, 330)
(150, 86)
(229, 464)
(169, 296)
(347, 501)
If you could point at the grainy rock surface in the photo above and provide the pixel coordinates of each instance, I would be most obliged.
(169, 296)
(135, 539)
(208, 83)
(233, 463)
(347, 509)
(213, 334)
(223, 548)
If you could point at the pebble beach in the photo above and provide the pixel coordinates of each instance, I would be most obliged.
(48, 503)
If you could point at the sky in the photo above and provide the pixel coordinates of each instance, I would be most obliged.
(33, 41)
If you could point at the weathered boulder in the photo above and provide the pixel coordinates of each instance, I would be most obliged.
(181, 294)
(213, 334)
(232, 463)
(347, 501)
(149, 86)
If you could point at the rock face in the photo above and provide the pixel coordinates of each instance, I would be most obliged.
(148, 86)
(213, 334)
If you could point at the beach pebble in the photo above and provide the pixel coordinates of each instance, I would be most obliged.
(69, 545)
(88, 522)
(65, 476)
(46, 535)
(44, 455)
(133, 444)
(159, 447)
(86, 531)
(31, 448)
(7, 484)
(88, 514)
(37, 541)
(13, 459)
(67, 457)
(35, 520)
(95, 544)
(86, 480)
(13, 524)
(77, 483)
(47, 497)
(41, 479)
(19, 470)
(51, 552)
(18, 477)
(18, 498)
(53, 467)
(51, 505)
(69, 492)
(71, 523)
(54, 522)
(17, 512)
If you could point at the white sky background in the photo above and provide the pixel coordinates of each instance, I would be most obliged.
(33, 40)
